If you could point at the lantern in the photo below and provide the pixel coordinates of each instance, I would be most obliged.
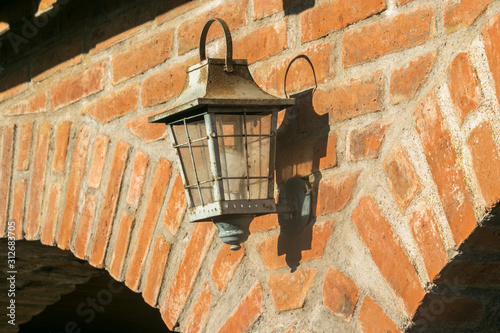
(223, 129)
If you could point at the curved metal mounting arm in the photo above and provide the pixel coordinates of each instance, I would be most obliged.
(229, 42)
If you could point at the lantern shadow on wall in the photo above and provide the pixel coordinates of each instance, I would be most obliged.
(293, 7)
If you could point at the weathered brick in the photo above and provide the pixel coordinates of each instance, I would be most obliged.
(38, 181)
(401, 177)
(156, 270)
(373, 319)
(25, 139)
(429, 240)
(387, 253)
(186, 275)
(136, 182)
(78, 169)
(365, 142)
(464, 88)
(491, 34)
(247, 312)
(121, 245)
(62, 138)
(442, 161)
(340, 294)
(145, 130)
(98, 160)
(460, 14)
(188, 34)
(225, 265)
(322, 19)
(18, 208)
(108, 210)
(486, 163)
(272, 250)
(5, 172)
(141, 57)
(176, 206)
(45, 4)
(199, 315)
(84, 228)
(264, 223)
(52, 209)
(262, 43)
(335, 192)
(34, 104)
(114, 105)
(156, 195)
(400, 32)
(78, 86)
(263, 8)
(14, 82)
(351, 99)
(407, 80)
(163, 86)
(289, 290)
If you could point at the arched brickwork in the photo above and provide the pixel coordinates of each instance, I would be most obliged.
(399, 142)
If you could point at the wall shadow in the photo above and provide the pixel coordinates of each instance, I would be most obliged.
(293, 7)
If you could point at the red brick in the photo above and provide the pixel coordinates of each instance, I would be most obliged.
(121, 245)
(270, 75)
(5, 172)
(188, 35)
(407, 80)
(114, 105)
(71, 201)
(289, 290)
(52, 209)
(365, 142)
(301, 158)
(340, 294)
(351, 99)
(186, 274)
(25, 139)
(264, 223)
(18, 207)
(141, 57)
(335, 192)
(225, 265)
(273, 256)
(200, 313)
(247, 312)
(397, 33)
(322, 19)
(428, 239)
(84, 228)
(486, 163)
(141, 161)
(34, 104)
(491, 34)
(262, 43)
(156, 195)
(62, 138)
(45, 4)
(98, 160)
(176, 206)
(78, 86)
(387, 253)
(263, 8)
(108, 209)
(463, 13)
(464, 88)
(401, 177)
(373, 319)
(145, 130)
(38, 181)
(14, 82)
(163, 86)
(56, 59)
(156, 270)
(442, 161)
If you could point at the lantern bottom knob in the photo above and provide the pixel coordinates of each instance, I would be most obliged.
(234, 230)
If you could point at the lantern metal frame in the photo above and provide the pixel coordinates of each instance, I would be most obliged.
(220, 87)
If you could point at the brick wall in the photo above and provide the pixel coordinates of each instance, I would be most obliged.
(399, 140)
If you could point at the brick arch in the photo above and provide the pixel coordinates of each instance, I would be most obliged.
(401, 170)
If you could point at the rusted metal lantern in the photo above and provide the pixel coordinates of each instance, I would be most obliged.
(223, 129)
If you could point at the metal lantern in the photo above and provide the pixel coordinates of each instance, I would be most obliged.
(223, 129)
